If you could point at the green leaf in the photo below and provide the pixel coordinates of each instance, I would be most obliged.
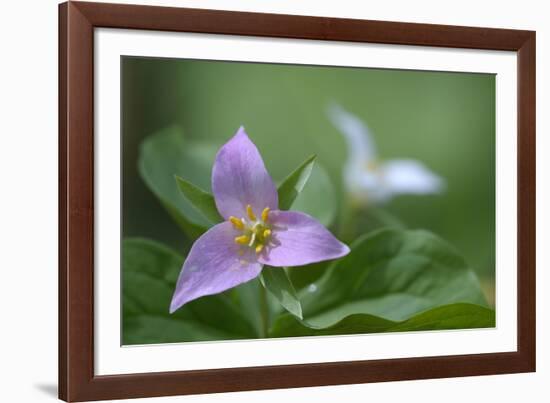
(154, 329)
(453, 316)
(289, 326)
(318, 198)
(301, 278)
(294, 193)
(150, 272)
(294, 183)
(393, 274)
(167, 153)
(276, 282)
(201, 200)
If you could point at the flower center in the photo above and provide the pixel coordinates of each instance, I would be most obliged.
(255, 233)
(371, 166)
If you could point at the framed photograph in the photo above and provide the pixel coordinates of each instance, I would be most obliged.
(256, 201)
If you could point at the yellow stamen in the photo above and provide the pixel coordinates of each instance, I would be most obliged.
(243, 239)
(238, 224)
(259, 248)
(250, 213)
(267, 233)
(265, 214)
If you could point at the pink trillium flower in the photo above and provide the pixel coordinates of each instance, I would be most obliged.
(254, 233)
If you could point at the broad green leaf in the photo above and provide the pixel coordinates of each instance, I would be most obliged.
(150, 272)
(154, 329)
(290, 326)
(393, 274)
(318, 197)
(354, 220)
(201, 200)
(294, 183)
(167, 153)
(453, 316)
(276, 281)
(304, 276)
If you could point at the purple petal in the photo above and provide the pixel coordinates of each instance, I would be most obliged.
(299, 239)
(214, 265)
(239, 178)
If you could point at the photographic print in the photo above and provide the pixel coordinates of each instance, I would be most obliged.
(253, 201)
(271, 200)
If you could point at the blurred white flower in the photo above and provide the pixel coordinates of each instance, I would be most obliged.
(369, 180)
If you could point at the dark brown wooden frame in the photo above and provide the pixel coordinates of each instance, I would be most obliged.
(77, 21)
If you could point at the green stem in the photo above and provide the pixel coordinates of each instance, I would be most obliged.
(264, 311)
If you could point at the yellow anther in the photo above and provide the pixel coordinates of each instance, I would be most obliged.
(250, 213)
(267, 233)
(238, 224)
(259, 248)
(265, 213)
(243, 239)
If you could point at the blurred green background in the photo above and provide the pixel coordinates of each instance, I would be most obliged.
(446, 120)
